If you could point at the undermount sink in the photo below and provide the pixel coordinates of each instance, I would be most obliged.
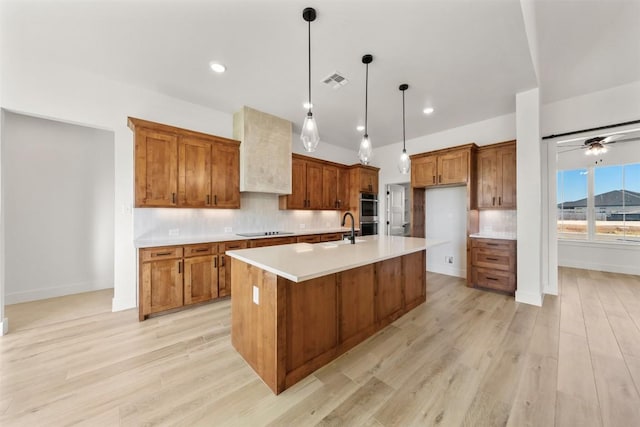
(340, 243)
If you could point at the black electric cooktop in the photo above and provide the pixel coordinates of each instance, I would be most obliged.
(264, 233)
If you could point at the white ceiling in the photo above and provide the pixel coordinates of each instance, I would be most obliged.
(467, 59)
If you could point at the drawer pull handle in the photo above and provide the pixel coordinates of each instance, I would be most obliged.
(491, 278)
(499, 201)
(215, 262)
(493, 244)
(201, 250)
(208, 199)
(163, 253)
(222, 263)
(493, 201)
(492, 259)
(179, 267)
(173, 197)
(215, 199)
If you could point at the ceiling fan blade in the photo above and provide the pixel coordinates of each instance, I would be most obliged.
(637, 138)
(611, 138)
(570, 150)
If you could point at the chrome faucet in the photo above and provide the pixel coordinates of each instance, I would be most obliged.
(353, 222)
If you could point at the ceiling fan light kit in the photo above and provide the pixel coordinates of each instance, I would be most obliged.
(309, 136)
(404, 164)
(365, 150)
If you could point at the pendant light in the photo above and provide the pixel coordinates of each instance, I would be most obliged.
(404, 164)
(309, 136)
(364, 153)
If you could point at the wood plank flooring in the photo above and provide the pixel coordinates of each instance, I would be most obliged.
(465, 358)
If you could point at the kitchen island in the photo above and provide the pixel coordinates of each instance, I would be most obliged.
(297, 307)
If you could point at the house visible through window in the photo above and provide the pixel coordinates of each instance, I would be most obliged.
(600, 203)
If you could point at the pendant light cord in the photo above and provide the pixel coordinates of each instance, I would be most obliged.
(309, 32)
(404, 147)
(366, 101)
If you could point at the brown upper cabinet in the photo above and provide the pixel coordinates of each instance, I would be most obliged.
(316, 184)
(181, 168)
(366, 177)
(444, 167)
(496, 166)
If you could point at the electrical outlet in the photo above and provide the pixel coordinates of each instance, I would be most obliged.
(302, 226)
(256, 295)
(448, 259)
(174, 232)
(227, 229)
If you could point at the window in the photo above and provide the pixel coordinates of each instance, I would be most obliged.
(600, 203)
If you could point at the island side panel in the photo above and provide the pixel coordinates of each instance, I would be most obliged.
(415, 279)
(389, 292)
(255, 331)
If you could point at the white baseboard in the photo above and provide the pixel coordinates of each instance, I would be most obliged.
(529, 298)
(550, 291)
(447, 269)
(4, 327)
(611, 268)
(52, 292)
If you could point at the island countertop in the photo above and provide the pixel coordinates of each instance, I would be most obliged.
(304, 261)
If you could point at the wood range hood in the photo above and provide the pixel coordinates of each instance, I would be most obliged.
(265, 151)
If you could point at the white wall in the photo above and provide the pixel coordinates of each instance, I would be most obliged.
(529, 198)
(446, 219)
(59, 197)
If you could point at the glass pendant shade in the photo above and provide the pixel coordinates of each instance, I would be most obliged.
(365, 151)
(405, 163)
(310, 136)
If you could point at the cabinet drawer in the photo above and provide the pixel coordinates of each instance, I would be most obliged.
(494, 279)
(199, 249)
(229, 246)
(493, 258)
(259, 243)
(308, 239)
(331, 237)
(505, 245)
(166, 252)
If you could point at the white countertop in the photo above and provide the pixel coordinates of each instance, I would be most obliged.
(494, 235)
(151, 242)
(303, 261)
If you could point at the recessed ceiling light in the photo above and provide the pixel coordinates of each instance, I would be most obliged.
(307, 105)
(360, 128)
(217, 67)
(428, 110)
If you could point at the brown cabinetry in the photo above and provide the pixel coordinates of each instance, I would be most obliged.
(180, 168)
(224, 272)
(200, 279)
(272, 241)
(496, 165)
(440, 168)
(316, 184)
(493, 264)
(160, 280)
(364, 179)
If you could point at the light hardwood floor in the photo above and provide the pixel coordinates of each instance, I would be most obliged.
(466, 357)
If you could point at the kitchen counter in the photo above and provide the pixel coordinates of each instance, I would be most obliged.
(489, 235)
(303, 261)
(227, 237)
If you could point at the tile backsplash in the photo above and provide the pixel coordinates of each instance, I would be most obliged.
(498, 221)
(259, 212)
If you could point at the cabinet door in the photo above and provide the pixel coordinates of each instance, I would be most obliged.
(156, 168)
(200, 279)
(356, 302)
(506, 177)
(453, 167)
(313, 238)
(298, 197)
(224, 266)
(414, 275)
(161, 287)
(314, 185)
(225, 176)
(368, 181)
(487, 171)
(423, 171)
(329, 187)
(194, 173)
(343, 188)
(389, 299)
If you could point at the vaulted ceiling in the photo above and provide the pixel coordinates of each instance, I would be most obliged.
(466, 59)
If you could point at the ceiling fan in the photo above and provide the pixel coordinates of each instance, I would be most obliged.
(598, 144)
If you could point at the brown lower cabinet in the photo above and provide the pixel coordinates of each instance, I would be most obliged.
(295, 328)
(171, 277)
(493, 264)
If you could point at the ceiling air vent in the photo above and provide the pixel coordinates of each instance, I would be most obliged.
(335, 80)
